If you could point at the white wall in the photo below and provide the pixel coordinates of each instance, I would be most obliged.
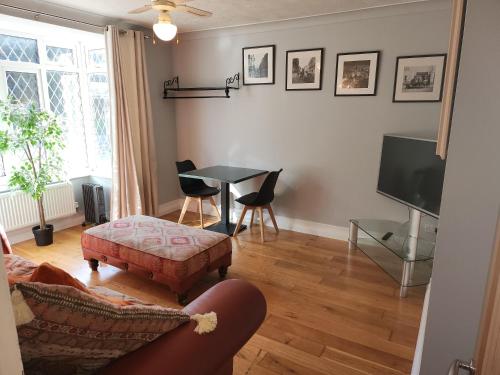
(471, 197)
(10, 356)
(328, 146)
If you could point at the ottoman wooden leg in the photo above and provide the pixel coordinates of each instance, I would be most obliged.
(182, 298)
(93, 264)
(223, 272)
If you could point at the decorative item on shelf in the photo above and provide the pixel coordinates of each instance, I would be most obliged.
(259, 65)
(357, 73)
(36, 139)
(419, 78)
(173, 86)
(304, 69)
(164, 29)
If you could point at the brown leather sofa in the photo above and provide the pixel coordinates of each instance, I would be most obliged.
(240, 308)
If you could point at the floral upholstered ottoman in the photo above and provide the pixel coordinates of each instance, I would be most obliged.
(167, 252)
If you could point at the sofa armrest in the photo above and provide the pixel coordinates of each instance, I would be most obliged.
(4, 241)
(240, 308)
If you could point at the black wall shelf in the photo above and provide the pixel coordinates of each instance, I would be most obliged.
(172, 87)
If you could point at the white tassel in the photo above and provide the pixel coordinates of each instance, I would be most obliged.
(22, 312)
(206, 322)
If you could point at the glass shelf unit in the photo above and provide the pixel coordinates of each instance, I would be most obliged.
(407, 259)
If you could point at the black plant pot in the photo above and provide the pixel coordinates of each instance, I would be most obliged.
(43, 237)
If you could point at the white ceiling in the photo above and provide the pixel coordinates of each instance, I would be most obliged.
(228, 13)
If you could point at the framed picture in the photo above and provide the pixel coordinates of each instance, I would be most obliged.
(304, 69)
(258, 65)
(419, 78)
(356, 73)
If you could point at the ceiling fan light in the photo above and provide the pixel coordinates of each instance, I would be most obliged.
(165, 31)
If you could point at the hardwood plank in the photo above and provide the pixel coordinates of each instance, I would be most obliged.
(329, 311)
(367, 366)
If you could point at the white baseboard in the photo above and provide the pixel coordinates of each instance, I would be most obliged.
(296, 225)
(23, 234)
(168, 207)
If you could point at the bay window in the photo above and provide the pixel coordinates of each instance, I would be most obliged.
(65, 74)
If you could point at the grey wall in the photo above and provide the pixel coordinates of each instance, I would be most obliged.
(158, 61)
(328, 146)
(471, 197)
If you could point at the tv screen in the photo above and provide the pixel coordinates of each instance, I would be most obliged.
(411, 173)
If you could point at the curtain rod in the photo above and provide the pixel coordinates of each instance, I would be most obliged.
(38, 14)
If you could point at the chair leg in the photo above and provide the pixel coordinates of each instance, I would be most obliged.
(251, 219)
(261, 222)
(240, 220)
(200, 208)
(184, 209)
(273, 219)
(212, 201)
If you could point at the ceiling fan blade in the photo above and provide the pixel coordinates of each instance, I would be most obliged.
(192, 10)
(142, 9)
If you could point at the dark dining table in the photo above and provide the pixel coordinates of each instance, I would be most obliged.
(225, 175)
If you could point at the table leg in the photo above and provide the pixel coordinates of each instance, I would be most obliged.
(225, 225)
(224, 201)
(405, 278)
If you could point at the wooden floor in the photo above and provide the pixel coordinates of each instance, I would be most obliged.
(328, 312)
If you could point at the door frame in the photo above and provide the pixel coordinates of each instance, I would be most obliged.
(487, 355)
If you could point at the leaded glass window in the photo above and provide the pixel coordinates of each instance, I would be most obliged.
(23, 86)
(60, 55)
(99, 103)
(13, 48)
(66, 103)
(97, 58)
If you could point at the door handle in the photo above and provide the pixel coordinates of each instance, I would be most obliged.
(458, 364)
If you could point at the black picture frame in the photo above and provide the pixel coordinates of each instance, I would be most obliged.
(273, 58)
(377, 69)
(441, 85)
(322, 56)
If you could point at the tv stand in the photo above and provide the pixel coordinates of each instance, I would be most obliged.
(407, 255)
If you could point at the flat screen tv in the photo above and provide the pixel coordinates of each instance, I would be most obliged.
(411, 173)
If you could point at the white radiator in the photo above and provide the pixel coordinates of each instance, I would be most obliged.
(18, 210)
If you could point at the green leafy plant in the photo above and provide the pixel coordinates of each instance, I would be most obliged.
(36, 139)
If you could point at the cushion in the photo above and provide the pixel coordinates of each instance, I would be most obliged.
(74, 332)
(48, 274)
(18, 268)
(22, 270)
(161, 238)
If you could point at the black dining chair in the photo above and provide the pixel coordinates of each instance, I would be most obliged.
(195, 188)
(258, 201)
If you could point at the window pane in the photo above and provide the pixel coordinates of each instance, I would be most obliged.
(2, 167)
(60, 55)
(66, 103)
(14, 48)
(99, 103)
(23, 86)
(97, 58)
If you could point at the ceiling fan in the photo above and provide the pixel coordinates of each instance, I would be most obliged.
(164, 28)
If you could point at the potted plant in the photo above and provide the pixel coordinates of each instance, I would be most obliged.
(36, 139)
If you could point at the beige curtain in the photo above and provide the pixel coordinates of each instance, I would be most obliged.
(134, 187)
(457, 17)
